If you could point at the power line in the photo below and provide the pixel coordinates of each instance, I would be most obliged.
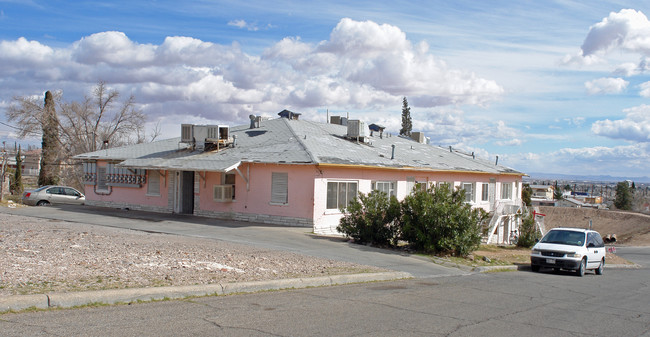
(11, 126)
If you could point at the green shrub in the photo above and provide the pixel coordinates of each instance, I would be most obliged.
(439, 221)
(528, 233)
(371, 219)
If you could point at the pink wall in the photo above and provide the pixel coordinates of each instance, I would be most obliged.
(257, 200)
(129, 195)
(326, 220)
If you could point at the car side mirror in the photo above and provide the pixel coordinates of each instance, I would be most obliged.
(536, 240)
(591, 245)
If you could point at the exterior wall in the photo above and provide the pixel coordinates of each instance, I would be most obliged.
(307, 193)
(326, 220)
(254, 203)
(129, 197)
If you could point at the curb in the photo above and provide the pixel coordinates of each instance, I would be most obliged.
(114, 296)
(527, 267)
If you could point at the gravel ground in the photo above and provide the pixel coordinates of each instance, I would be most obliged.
(39, 256)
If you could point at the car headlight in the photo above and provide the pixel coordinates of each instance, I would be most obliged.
(535, 252)
(575, 255)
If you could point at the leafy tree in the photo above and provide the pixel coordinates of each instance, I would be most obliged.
(50, 143)
(526, 194)
(78, 127)
(438, 220)
(567, 187)
(17, 181)
(623, 199)
(407, 123)
(371, 219)
(528, 233)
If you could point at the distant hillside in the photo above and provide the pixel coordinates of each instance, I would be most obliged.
(630, 228)
(596, 178)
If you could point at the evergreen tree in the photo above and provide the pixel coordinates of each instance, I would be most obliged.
(17, 183)
(49, 173)
(557, 194)
(526, 195)
(623, 199)
(407, 123)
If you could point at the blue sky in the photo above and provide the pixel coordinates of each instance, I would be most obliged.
(548, 86)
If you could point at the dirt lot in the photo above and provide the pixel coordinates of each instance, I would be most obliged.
(631, 229)
(41, 255)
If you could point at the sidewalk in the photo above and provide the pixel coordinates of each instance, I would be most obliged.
(115, 296)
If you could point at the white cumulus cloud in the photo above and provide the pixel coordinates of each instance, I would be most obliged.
(606, 85)
(362, 66)
(634, 127)
(627, 30)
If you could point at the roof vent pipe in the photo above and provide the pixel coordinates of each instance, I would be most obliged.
(450, 148)
(252, 118)
(392, 155)
(497, 162)
(473, 155)
(234, 140)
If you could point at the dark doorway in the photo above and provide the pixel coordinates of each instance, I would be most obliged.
(187, 194)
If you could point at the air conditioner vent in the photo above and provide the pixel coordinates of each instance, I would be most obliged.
(187, 133)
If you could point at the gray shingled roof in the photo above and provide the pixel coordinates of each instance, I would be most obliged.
(297, 142)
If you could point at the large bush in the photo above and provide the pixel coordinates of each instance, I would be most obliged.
(371, 219)
(528, 233)
(438, 220)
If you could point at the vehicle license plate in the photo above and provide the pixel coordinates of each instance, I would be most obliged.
(550, 261)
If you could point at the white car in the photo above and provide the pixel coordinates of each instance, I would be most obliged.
(569, 248)
(47, 195)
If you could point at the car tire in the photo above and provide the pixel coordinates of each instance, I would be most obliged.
(581, 269)
(599, 271)
(42, 203)
(534, 268)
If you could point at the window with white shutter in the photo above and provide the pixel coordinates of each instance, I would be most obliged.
(279, 188)
(153, 182)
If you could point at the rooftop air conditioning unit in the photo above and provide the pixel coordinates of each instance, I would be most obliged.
(222, 193)
(200, 134)
(356, 128)
(418, 137)
(187, 133)
(212, 132)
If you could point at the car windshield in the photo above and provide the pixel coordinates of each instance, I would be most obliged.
(564, 237)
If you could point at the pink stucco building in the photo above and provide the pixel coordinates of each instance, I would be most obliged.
(286, 171)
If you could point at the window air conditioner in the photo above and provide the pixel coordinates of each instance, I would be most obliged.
(223, 193)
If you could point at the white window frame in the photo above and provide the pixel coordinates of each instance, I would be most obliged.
(229, 179)
(506, 191)
(485, 192)
(153, 183)
(337, 195)
(279, 188)
(471, 196)
(389, 187)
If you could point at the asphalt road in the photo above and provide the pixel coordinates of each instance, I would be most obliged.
(491, 304)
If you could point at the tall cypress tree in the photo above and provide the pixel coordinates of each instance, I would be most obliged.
(407, 124)
(49, 173)
(17, 183)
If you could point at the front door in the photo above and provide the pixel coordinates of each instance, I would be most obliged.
(184, 192)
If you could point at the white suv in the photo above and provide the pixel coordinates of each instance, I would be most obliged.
(569, 248)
